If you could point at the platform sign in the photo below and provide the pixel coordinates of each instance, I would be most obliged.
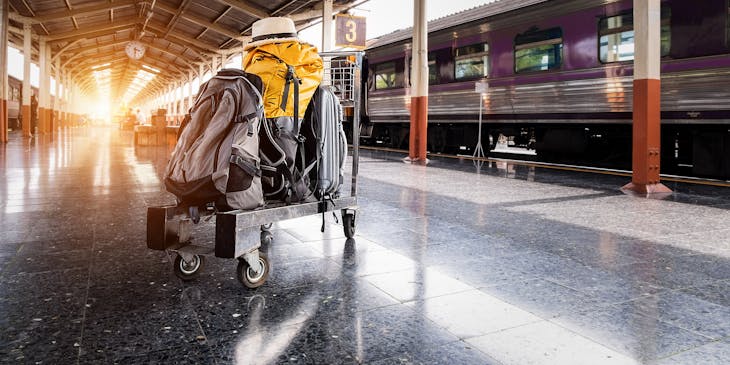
(350, 31)
(481, 86)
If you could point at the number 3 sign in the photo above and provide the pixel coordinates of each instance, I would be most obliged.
(350, 31)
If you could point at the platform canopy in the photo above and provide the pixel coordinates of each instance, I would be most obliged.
(179, 37)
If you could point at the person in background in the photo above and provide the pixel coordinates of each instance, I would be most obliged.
(33, 113)
(141, 119)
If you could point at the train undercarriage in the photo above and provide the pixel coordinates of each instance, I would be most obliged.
(691, 150)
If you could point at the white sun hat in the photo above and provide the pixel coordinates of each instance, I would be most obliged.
(272, 30)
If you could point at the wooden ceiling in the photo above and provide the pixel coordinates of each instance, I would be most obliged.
(179, 35)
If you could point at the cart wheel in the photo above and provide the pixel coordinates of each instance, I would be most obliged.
(348, 220)
(266, 227)
(266, 238)
(187, 270)
(248, 277)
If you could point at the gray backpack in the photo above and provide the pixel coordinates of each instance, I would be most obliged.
(329, 148)
(324, 148)
(216, 158)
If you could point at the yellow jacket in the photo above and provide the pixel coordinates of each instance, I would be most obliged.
(307, 66)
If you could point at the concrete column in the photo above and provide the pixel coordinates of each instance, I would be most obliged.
(201, 71)
(647, 93)
(43, 88)
(49, 106)
(326, 25)
(64, 104)
(214, 65)
(4, 96)
(419, 85)
(169, 104)
(56, 108)
(176, 102)
(27, 124)
(190, 90)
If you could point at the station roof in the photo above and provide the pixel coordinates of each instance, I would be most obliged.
(89, 36)
(476, 13)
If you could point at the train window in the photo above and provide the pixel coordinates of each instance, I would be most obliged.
(616, 37)
(539, 50)
(434, 76)
(471, 62)
(385, 75)
(433, 70)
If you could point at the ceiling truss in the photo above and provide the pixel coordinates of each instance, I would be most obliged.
(181, 36)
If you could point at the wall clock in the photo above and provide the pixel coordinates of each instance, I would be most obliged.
(135, 50)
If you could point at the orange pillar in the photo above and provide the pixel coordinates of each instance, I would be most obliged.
(42, 86)
(647, 100)
(25, 109)
(419, 86)
(4, 95)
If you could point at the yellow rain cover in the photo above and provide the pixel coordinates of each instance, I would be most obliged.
(269, 61)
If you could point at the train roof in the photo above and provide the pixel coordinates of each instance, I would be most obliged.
(462, 17)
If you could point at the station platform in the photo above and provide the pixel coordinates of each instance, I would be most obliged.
(508, 265)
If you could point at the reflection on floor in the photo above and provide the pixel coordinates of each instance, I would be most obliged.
(511, 265)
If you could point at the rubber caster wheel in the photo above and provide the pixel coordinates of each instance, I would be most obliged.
(248, 277)
(348, 221)
(187, 270)
(266, 238)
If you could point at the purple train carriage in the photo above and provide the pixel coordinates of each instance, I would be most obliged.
(559, 75)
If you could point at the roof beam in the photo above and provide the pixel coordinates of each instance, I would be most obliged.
(176, 16)
(92, 32)
(78, 52)
(186, 40)
(247, 8)
(200, 21)
(82, 10)
(315, 13)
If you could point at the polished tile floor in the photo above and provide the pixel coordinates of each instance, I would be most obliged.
(507, 265)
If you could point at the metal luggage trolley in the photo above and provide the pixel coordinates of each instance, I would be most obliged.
(240, 233)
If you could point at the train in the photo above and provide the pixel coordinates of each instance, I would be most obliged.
(558, 83)
(15, 97)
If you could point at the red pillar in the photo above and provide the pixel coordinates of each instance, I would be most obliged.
(419, 129)
(647, 101)
(419, 86)
(4, 95)
(3, 120)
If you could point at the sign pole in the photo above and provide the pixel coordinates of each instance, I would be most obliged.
(481, 88)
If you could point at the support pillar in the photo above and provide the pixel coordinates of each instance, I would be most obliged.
(169, 105)
(213, 65)
(201, 72)
(27, 123)
(175, 104)
(419, 86)
(190, 90)
(4, 95)
(43, 89)
(326, 25)
(647, 108)
(56, 120)
(64, 105)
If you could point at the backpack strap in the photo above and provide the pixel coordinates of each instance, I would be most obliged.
(248, 167)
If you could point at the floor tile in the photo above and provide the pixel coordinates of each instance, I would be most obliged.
(472, 313)
(546, 343)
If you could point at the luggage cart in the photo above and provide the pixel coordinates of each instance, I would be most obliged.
(240, 234)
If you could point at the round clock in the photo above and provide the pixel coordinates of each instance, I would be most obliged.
(135, 50)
